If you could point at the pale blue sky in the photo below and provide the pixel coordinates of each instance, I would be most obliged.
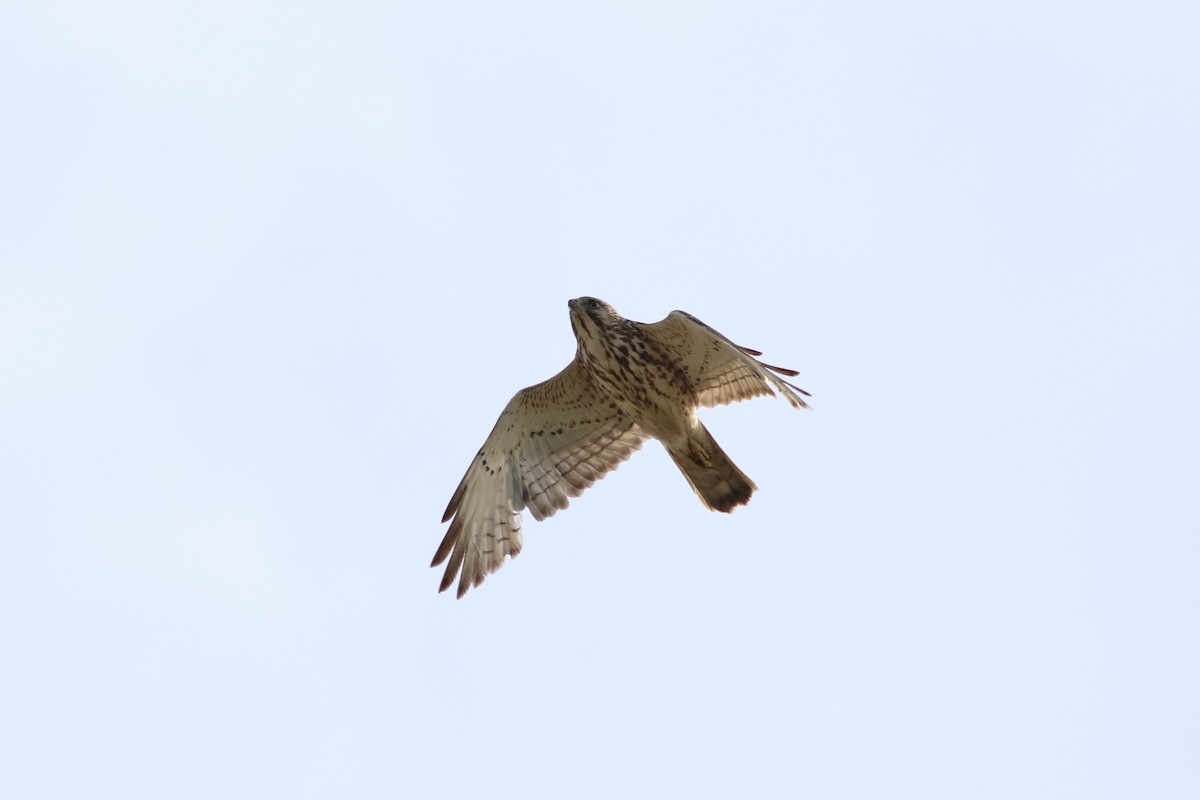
(270, 271)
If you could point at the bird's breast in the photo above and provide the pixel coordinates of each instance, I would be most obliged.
(645, 384)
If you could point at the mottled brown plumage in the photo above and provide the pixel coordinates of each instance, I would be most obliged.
(629, 381)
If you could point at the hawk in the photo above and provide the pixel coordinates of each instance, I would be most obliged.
(629, 381)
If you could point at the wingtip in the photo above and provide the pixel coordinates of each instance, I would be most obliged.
(465, 583)
(446, 547)
(791, 373)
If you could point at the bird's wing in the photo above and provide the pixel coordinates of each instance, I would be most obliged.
(552, 442)
(720, 371)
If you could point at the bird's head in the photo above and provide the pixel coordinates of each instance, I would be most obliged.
(591, 310)
(592, 318)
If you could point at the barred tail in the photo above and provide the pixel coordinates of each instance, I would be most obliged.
(720, 485)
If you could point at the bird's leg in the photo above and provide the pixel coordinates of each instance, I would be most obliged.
(698, 453)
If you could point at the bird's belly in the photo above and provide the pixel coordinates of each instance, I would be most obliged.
(662, 413)
(666, 425)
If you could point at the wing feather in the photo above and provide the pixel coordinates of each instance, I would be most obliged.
(552, 441)
(721, 372)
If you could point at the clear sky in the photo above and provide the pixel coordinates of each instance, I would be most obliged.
(270, 271)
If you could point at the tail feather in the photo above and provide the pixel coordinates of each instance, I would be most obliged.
(713, 476)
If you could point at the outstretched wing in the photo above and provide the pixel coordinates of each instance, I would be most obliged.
(720, 371)
(552, 442)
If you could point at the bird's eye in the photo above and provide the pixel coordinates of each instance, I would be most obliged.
(593, 305)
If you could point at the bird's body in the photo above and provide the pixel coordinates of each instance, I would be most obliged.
(635, 371)
(629, 381)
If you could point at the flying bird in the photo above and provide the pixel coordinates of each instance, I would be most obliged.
(630, 381)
